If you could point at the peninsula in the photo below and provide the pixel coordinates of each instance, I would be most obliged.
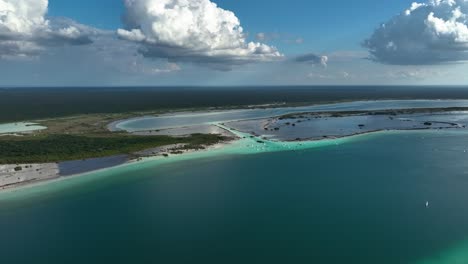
(67, 146)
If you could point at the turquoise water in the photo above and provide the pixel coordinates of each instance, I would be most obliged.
(356, 200)
(20, 127)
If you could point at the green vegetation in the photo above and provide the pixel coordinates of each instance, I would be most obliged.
(95, 124)
(54, 148)
(20, 104)
(86, 136)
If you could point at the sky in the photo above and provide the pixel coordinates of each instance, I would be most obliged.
(230, 43)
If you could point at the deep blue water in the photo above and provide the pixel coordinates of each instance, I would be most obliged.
(357, 203)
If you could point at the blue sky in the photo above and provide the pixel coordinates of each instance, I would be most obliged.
(297, 42)
(324, 25)
(104, 14)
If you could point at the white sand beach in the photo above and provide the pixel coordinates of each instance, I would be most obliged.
(22, 174)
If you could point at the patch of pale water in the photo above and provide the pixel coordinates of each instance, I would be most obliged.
(199, 118)
(21, 127)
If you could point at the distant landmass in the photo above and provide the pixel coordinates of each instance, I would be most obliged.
(19, 104)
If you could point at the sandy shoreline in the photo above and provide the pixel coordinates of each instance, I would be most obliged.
(32, 175)
(16, 176)
(11, 177)
(240, 145)
(244, 145)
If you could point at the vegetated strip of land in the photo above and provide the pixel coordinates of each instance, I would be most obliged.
(405, 111)
(60, 147)
(22, 104)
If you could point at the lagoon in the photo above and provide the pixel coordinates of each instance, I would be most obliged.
(199, 118)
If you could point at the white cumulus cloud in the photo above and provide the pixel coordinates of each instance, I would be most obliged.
(191, 30)
(25, 30)
(426, 33)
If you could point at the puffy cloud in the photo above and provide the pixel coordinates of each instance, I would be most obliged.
(312, 59)
(426, 33)
(25, 31)
(191, 30)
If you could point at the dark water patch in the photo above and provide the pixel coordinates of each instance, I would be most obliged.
(316, 127)
(68, 168)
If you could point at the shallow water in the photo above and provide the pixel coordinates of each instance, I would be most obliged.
(19, 127)
(360, 200)
(181, 131)
(198, 118)
(312, 128)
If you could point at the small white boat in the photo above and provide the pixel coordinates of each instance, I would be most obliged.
(427, 204)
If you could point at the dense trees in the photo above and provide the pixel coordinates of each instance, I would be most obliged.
(52, 148)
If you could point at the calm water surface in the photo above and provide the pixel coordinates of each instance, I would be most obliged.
(197, 118)
(360, 202)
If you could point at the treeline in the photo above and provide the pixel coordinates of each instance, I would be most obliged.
(19, 104)
(55, 148)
